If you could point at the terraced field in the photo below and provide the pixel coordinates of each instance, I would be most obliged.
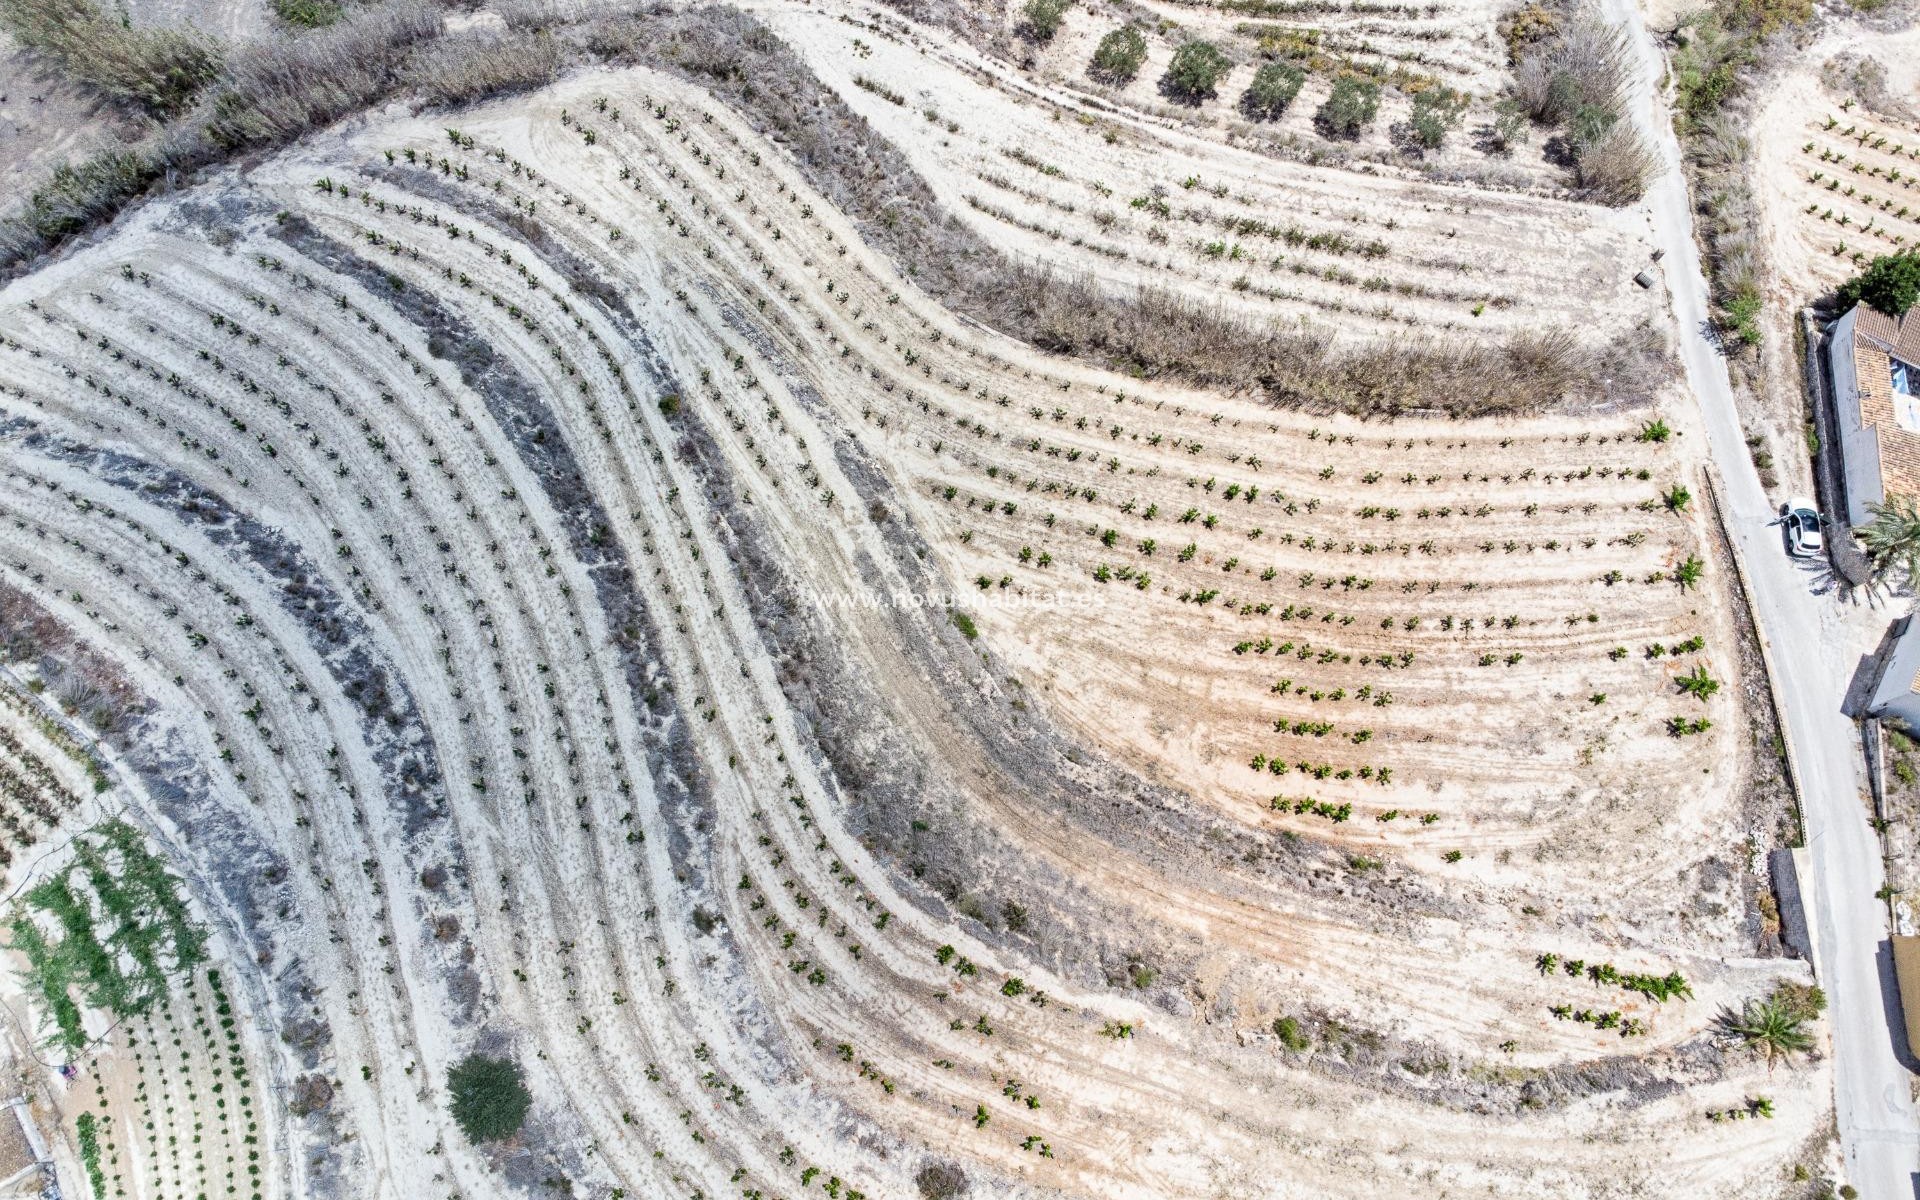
(1066, 176)
(584, 601)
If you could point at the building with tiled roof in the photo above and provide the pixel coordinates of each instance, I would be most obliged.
(1875, 361)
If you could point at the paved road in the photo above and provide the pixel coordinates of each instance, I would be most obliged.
(1814, 652)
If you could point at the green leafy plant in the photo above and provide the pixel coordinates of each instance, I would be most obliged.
(1689, 573)
(1697, 683)
(1892, 538)
(1768, 1028)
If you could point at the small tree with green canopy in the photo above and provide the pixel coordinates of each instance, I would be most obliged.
(1195, 71)
(1349, 108)
(1274, 86)
(1891, 283)
(487, 1097)
(1118, 56)
(1892, 538)
(1040, 19)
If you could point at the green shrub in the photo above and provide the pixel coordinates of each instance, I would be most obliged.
(1435, 111)
(1509, 122)
(1118, 56)
(1891, 283)
(308, 14)
(1589, 124)
(965, 625)
(1349, 108)
(487, 1097)
(1804, 1001)
(1195, 71)
(1741, 314)
(87, 1129)
(1040, 19)
(1290, 1034)
(1274, 86)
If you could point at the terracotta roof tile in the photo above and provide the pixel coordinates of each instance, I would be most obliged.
(1898, 336)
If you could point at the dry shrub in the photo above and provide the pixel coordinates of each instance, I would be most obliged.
(276, 91)
(83, 682)
(470, 66)
(1865, 77)
(1615, 168)
(1583, 64)
(1154, 333)
(158, 69)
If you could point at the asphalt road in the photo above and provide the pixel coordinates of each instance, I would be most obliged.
(1814, 651)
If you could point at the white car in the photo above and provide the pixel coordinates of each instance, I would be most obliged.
(1802, 520)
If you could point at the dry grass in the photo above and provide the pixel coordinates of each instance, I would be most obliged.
(160, 70)
(266, 94)
(1158, 334)
(1582, 64)
(465, 67)
(1615, 168)
(275, 91)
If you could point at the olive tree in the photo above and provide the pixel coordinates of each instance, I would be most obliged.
(1118, 56)
(1349, 108)
(1040, 19)
(1195, 71)
(1274, 86)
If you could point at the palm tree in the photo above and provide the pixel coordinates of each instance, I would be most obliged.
(1769, 1028)
(1892, 538)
